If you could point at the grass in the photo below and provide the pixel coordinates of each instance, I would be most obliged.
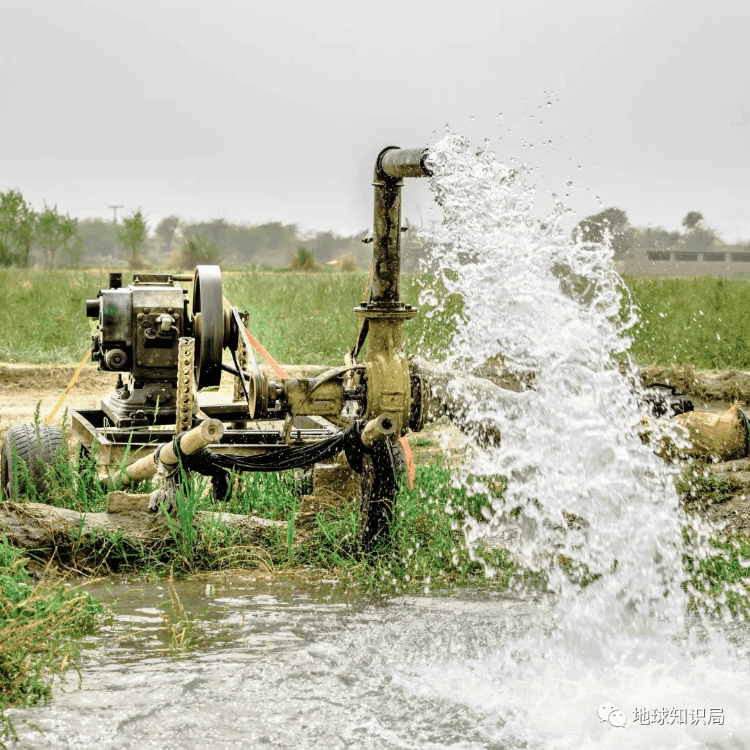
(721, 578)
(699, 321)
(305, 318)
(43, 314)
(699, 490)
(426, 548)
(300, 318)
(39, 626)
(426, 545)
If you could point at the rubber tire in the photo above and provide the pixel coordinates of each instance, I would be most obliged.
(375, 513)
(36, 446)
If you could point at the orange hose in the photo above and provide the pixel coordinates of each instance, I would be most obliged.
(411, 467)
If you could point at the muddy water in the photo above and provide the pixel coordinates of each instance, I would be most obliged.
(269, 663)
(274, 665)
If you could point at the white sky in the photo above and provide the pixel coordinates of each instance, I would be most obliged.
(276, 112)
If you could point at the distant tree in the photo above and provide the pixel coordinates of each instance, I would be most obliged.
(133, 235)
(17, 224)
(218, 231)
(699, 239)
(165, 231)
(656, 238)
(278, 236)
(692, 219)
(75, 250)
(304, 260)
(49, 234)
(245, 243)
(326, 244)
(98, 238)
(68, 234)
(612, 222)
(199, 250)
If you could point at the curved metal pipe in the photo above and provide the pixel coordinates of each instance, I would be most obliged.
(403, 162)
(392, 165)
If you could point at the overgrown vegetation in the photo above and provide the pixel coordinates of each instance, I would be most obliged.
(39, 625)
(426, 547)
(305, 261)
(426, 544)
(700, 489)
(725, 576)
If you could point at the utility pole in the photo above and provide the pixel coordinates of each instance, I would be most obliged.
(114, 208)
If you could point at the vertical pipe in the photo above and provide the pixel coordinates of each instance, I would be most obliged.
(386, 235)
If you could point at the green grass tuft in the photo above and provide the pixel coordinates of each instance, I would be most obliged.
(39, 625)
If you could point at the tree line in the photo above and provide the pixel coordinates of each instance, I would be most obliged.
(52, 239)
(612, 224)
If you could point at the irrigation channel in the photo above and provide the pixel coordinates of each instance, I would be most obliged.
(620, 663)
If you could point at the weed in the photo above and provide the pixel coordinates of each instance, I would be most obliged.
(38, 627)
(700, 489)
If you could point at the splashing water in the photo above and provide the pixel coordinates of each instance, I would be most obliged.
(586, 497)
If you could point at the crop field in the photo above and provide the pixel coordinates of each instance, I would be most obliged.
(307, 318)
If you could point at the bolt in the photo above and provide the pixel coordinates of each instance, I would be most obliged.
(145, 309)
(170, 310)
(140, 361)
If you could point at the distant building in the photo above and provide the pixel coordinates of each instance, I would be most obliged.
(731, 261)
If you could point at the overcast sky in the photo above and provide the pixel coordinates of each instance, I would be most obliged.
(256, 112)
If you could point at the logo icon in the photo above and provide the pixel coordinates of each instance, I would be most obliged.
(609, 712)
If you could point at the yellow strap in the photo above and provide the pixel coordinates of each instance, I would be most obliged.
(70, 385)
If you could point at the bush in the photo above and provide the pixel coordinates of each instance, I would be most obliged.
(304, 260)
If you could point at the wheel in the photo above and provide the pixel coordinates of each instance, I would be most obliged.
(208, 325)
(33, 445)
(383, 467)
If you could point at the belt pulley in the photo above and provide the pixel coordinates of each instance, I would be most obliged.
(208, 325)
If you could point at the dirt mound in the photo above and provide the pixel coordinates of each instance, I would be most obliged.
(21, 377)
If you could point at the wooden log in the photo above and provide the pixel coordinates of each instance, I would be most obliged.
(708, 385)
(715, 435)
(44, 528)
(207, 432)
